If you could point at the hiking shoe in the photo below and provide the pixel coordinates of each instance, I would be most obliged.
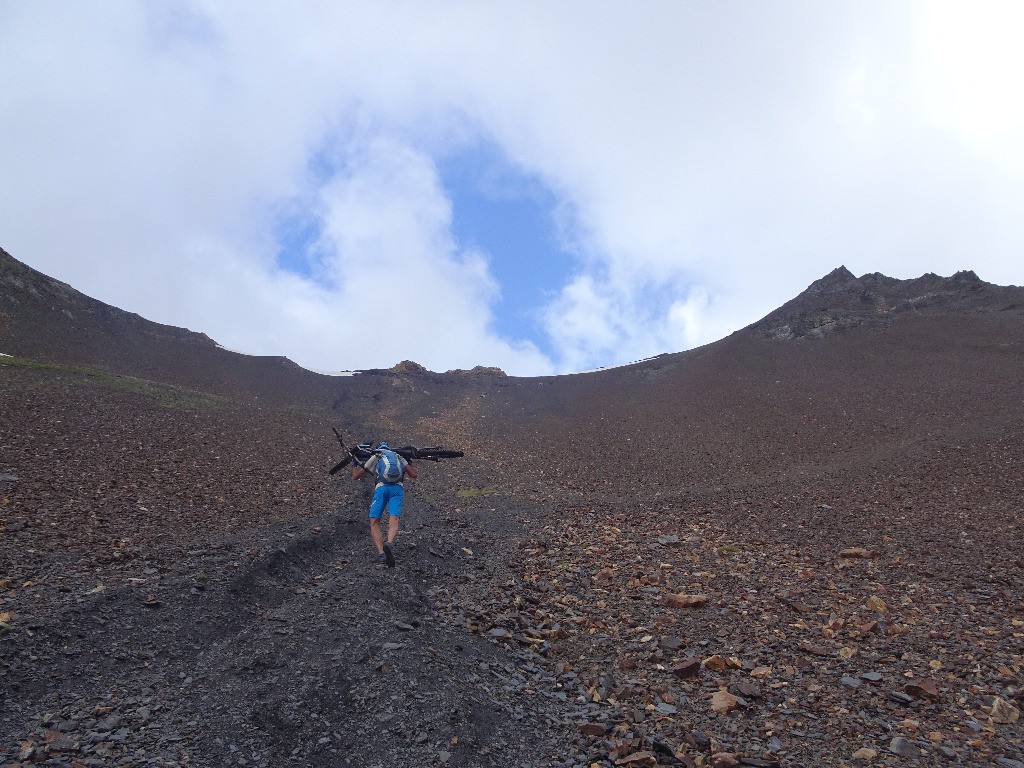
(380, 561)
(389, 556)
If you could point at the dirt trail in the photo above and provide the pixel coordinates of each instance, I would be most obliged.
(211, 597)
(271, 647)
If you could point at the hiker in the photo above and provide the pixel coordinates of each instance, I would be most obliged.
(391, 470)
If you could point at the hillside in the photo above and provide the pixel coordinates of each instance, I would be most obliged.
(799, 545)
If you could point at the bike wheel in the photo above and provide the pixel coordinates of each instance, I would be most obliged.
(340, 465)
(438, 453)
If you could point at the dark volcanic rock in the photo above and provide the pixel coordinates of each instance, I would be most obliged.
(479, 370)
(408, 366)
(839, 301)
(182, 582)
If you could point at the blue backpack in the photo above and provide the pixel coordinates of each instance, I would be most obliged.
(389, 467)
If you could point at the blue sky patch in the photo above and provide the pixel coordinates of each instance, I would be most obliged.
(496, 208)
(511, 216)
(297, 233)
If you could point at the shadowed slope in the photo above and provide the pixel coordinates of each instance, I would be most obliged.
(838, 487)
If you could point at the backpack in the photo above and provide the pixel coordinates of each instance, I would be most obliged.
(389, 467)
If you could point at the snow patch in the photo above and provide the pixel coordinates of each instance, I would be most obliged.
(332, 373)
(235, 351)
(613, 367)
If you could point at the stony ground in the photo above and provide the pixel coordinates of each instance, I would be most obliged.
(182, 584)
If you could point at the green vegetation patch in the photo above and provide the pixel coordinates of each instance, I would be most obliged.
(165, 395)
(470, 493)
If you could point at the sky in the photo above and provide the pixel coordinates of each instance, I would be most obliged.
(544, 186)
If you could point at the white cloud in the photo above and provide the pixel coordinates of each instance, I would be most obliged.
(710, 161)
(387, 244)
(583, 321)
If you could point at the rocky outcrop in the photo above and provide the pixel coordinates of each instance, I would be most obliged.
(408, 366)
(479, 370)
(839, 301)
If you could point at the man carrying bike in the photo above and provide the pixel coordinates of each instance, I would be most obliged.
(391, 470)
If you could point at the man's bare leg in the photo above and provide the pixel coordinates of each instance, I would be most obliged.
(375, 534)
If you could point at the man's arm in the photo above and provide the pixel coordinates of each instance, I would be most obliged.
(358, 470)
(407, 466)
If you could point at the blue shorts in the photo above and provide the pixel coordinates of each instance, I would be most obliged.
(390, 496)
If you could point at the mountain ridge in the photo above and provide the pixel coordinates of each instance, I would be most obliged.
(839, 301)
(766, 551)
(43, 315)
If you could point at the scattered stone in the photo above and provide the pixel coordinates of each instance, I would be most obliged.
(639, 760)
(687, 668)
(865, 754)
(724, 760)
(872, 677)
(850, 682)
(700, 740)
(866, 627)
(1003, 712)
(904, 747)
(670, 643)
(876, 604)
(857, 552)
(715, 663)
(724, 702)
(746, 689)
(686, 601)
(661, 748)
(816, 650)
(924, 688)
(593, 729)
(900, 697)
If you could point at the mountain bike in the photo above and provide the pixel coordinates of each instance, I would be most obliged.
(361, 452)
